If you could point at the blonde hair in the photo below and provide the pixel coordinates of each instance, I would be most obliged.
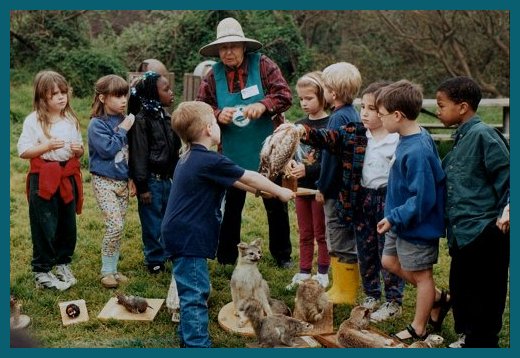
(190, 119)
(314, 80)
(44, 83)
(344, 79)
(110, 85)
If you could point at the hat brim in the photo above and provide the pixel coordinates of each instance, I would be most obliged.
(211, 50)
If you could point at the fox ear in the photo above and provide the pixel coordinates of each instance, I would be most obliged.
(242, 245)
(257, 242)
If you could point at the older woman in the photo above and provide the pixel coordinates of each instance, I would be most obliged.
(248, 81)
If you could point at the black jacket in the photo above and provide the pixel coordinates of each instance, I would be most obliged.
(153, 146)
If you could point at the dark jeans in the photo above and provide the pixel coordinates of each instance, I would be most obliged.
(370, 248)
(151, 217)
(53, 228)
(279, 230)
(478, 287)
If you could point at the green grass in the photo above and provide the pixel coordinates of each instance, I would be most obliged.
(42, 305)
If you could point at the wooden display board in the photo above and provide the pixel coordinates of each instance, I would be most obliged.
(116, 311)
(229, 322)
(299, 342)
(83, 312)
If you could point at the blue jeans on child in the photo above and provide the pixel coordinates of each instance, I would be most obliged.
(192, 278)
(151, 217)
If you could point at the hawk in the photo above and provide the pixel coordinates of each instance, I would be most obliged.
(278, 149)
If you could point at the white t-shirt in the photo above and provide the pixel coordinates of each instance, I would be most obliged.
(32, 135)
(378, 160)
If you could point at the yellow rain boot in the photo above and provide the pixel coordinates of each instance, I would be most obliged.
(345, 282)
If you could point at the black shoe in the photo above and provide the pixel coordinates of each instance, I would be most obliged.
(285, 264)
(155, 269)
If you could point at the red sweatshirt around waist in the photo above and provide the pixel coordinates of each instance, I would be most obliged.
(53, 176)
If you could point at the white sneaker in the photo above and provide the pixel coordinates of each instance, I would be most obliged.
(172, 299)
(460, 342)
(370, 303)
(322, 278)
(297, 279)
(48, 280)
(64, 273)
(386, 311)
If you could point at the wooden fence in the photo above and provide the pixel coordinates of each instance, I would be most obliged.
(485, 102)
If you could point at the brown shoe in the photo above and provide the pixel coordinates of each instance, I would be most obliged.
(110, 281)
(120, 277)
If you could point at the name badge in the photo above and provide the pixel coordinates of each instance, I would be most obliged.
(250, 92)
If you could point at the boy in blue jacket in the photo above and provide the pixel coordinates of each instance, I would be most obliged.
(414, 211)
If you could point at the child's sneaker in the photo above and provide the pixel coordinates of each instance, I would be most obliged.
(386, 311)
(297, 279)
(459, 343)
(64, 273)
(172, 299)
(322, 278)
(370, 303)
(48, 280)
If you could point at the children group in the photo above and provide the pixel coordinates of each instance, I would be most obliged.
(384, 196)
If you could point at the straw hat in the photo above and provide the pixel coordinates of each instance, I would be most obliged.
(229, 30)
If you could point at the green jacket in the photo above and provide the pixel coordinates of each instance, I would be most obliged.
(477, 173)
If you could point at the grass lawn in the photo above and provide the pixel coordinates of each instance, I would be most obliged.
(42, 305)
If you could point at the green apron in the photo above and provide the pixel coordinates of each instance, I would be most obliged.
(243, 144)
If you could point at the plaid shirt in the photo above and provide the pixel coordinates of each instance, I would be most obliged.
(349, 142)
(278, 97)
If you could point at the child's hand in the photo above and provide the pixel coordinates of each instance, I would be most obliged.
(503, 221)
(132, 190)
(383, 226)
(128, 122)
(226, 115)
(146, 198)
(76, 148)
(319, 198)
(55, 143)
(285, 194)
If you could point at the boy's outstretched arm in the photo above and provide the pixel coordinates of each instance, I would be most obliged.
(256, 181)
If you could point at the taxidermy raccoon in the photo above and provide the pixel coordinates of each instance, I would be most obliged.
(311, 301)
(273, 330)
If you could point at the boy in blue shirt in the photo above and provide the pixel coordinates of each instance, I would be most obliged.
(477, 175)
(194, 213)
(414, 210)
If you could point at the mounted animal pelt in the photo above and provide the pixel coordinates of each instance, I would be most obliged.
(247, 281)
(278, 149)
(133, 304)
(273, 330)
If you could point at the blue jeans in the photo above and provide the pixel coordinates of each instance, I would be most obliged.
(151, 216)
(192, 278)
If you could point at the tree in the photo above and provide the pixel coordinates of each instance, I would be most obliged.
(468, 43)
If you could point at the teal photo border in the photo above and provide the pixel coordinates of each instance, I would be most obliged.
(8, 5)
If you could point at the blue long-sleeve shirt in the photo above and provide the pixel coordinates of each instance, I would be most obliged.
(108, 148)
(416, 192)
(330, 180)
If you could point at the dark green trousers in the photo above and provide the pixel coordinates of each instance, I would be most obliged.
(53, 228)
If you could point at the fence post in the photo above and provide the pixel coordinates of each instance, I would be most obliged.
(191, 85)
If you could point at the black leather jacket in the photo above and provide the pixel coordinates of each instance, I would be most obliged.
(153, 148)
